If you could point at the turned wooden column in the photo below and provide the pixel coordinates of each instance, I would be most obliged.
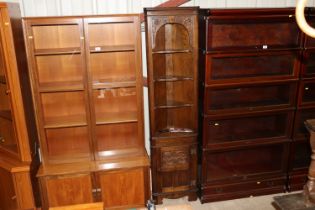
(309, 188)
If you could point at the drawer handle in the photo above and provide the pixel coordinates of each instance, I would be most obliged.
(7, 92)
(258, 182)
(13, 197)
(2, 140)
(306, 88)
(96, 190)
(216, 124)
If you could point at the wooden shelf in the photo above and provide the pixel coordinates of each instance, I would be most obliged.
(65, 121)
(6, 114)
(109, 85)
(3, 79)
(61, 86)
(58, 51)
(119, 48)
(170, 51)
(173, 104)
(172, 79)
(112, 117)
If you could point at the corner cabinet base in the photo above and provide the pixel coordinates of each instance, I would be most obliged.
(220, 192)
(16, 190)
(192, 196)
(118, 184)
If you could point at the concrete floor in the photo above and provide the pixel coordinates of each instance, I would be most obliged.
(251, 203)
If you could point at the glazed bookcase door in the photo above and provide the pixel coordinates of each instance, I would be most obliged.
(59, 86)
(8, 139)
(114, 69)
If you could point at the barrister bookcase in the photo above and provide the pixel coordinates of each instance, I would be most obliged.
(172, 54)
(18, 148)
(249, 68)
(87, 87)
(300, 150)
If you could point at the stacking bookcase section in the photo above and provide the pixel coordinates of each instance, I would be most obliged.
(19, 159)
(87, 88)
(249, 70)
(300, 154)
(172, 52)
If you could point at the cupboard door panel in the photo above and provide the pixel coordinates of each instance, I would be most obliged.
(123, 188)
(68, 190)
(175, 168)
(245, 162)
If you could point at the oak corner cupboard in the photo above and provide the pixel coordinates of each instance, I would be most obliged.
(172, 54)
(18, 141)
(87, 87)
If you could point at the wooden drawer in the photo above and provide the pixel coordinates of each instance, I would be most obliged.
(8, 198)
(66, 190)
(244, 163)
(245, 189)
(256, 184)
(220, 131)
(258, 30)
(250, 97)
(300, 131)
(307, 93)
(224, 68)
(174, 168)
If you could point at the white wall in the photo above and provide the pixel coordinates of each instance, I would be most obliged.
(86, 7)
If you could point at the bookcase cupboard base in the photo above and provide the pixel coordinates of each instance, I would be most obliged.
(117, 187)
(16, 186)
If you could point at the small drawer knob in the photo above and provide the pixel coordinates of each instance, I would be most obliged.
(306, 88)
(258, 182)
(216, 124)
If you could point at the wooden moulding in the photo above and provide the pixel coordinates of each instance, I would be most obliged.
(88, 206)
(94, 166)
